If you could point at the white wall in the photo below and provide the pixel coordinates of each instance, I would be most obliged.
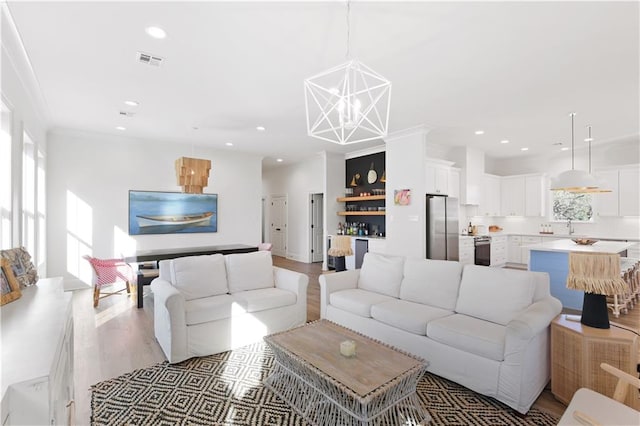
(405, 163)
(101, 169)
(296, 181)
(334, 172)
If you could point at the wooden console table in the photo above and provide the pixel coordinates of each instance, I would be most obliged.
(145, 276)
(577, 352)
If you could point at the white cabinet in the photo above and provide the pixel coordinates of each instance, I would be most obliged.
(454, 183)
(629, 180)
(512, 196)
(377, 245)
(634, 251)
(438, 176)
(524, 248)
(534, 195)
(513, 249)
(523, 195)
(606, 203)
(37, 356)
(466, 250)
(490, 199)
(498, 250)
(350, 261)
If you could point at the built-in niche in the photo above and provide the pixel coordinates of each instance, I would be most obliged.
(366, 174)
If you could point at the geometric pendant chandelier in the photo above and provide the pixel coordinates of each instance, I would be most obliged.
(348, 103)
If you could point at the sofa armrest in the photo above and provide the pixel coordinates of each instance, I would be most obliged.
(292, 281)
(330, 283)
(531, 322)
(169, 316)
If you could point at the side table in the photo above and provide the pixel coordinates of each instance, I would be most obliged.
(577, 352)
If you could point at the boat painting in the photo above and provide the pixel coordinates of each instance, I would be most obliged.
(152, 212)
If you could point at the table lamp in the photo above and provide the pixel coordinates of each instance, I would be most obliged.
(340, 247)
(598, 275)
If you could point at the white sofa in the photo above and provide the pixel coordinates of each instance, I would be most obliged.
(209, 304)
(484, 328)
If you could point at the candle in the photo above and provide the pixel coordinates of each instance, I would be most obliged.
(348, 348)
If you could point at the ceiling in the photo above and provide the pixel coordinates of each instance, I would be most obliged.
(512, 69)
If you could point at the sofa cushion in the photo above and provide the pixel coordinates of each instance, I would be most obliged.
(408, 316)
(207, 309)
(469, 334)
(382, 274)
(199, 276)
(249, 271)
(431, 282)
(264, 299)
(357, 301)
(494, 294)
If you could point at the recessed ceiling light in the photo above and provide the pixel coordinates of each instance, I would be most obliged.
(504, 141)
(524, 149)
(260, 128)
(279, 160)
(588, 139)
(564, 148)
(121, 128)
(156, 32)
(229, 144)
(479, 132)
(132, 103)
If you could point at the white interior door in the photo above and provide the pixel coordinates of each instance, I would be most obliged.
(317, 228)
(279, 225)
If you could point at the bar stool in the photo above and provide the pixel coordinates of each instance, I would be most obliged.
(340, 247)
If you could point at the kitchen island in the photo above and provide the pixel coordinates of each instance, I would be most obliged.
(553, 257)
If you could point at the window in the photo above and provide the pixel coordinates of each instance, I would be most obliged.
(29, 195)
(5, 178)
(40, 207)
(574, 206)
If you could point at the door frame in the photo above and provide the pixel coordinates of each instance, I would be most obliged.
(310, 225)
(286, 220)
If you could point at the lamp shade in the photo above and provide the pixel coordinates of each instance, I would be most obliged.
(574, 181)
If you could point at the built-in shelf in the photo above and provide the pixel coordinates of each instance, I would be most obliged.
(367, 213)
(367, 198)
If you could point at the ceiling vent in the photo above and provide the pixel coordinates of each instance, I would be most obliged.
(126, 114)
(149, 59)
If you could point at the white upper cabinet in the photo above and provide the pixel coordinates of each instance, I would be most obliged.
(606, 203)
(624, 198)
(454, 183)
(512, 196)
(490, 198)
(438, 176)
(523, 195)
(629, 196)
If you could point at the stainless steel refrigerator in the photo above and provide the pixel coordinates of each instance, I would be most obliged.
(442, 227)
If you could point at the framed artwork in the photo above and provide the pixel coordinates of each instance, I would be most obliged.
(19, 261)
(402, 197)
(9, 286)
(153, 212)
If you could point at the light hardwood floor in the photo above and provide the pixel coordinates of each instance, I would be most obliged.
(117, 338)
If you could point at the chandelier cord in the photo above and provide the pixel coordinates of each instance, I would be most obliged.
(348, 27)
(573, 114)
(589, 149)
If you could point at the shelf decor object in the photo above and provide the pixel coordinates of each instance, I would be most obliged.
(598, 275)
(348, 103)
(192, 174)
(573, 180)
(9, 285)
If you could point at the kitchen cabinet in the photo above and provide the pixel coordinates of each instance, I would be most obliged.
(524, 248)
(490, 199)
(512, 196)
(350, 261)
(438, 175)
(523, 195)
(466, 250)
(498, 250)
(454, 183)
(606, 203)
(37, 356)
(514, 254)
(377, 245)
(629, 196)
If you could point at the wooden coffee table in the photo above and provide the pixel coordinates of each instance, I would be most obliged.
(377, 386)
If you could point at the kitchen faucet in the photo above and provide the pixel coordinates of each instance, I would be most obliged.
(571, 230)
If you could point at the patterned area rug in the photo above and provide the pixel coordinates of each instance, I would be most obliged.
(226, 389)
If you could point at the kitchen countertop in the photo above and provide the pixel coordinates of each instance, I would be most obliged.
(569, 246)
(593, 237)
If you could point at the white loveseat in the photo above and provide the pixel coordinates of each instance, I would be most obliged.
(209, 304)
(484, 328)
